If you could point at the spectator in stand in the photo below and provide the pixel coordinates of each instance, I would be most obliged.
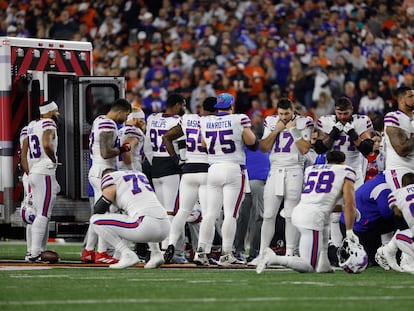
(63, 28)
(371, 103)
(242, 86)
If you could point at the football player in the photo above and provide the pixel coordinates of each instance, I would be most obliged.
(27, 196)
(402, 202)
(42, 142)
(194, 179)
(324, 184)
(350, 134)
(399, 138)
(165, 172)
(104, 151)
(142, 219)
(224, 135)
(287, 137)
(132, 133)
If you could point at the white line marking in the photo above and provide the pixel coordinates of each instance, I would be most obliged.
(203, 300)
(16, 268)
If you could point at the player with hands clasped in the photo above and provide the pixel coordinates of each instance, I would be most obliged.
(287, 137)
(324, 184)
(350, 134)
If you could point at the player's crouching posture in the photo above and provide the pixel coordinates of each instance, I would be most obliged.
(143, 218)
(324, 184)
(402, 202)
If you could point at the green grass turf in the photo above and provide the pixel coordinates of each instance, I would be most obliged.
(198, 289)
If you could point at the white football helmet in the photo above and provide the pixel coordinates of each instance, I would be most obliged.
(352, 256)
(195, 216)
(28, 214)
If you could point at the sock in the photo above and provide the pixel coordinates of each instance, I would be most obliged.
(336, 234)
(28, 237)
(291, 236)
(268, 230)
(177, 225)
(39, 227)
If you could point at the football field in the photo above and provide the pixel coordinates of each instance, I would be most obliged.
(66, 287)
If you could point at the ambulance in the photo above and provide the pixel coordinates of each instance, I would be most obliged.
(35, 70)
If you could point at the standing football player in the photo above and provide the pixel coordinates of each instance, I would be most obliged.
(350, 134)
(165, 172)
(224, 136)
(104, 152)
(193, 182)
(324, 184)
(142, 219)
(26, 209)
(42, 142)
(287, 137)
(399, 138)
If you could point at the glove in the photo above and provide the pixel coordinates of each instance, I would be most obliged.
(125, 148)
(351, 236)
(336, 130)
(350, 131)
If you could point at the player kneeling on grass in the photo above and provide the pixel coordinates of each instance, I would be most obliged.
(143, 219)
(324, 185)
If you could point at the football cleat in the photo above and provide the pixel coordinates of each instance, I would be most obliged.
(128, 259)
(227, 260)
(264, 260)
(386, 259)
(169, 253)
(26, 257)
(200, 258)
(88, 256)
(36, 259)
(103, 257)
(156, 260)
(179, 260)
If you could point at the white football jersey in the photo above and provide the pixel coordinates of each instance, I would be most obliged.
(195, 153)
(361, 123)
(404, 199)
(128, 131)
(321, 190)
(39, 162)
(392, 159)
(134, 194)
(223, 135)
(157, 125)
(285, 152)
(99, 164)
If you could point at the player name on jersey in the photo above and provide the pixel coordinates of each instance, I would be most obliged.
(159, 123)
(218, 124)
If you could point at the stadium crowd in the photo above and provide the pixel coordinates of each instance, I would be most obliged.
(310, 52)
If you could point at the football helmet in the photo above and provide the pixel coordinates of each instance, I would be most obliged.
(352, 256)
(28, 214)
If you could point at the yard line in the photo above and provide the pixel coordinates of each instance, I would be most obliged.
(201, 300)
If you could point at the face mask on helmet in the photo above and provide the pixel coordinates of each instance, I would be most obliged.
(352, 257)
